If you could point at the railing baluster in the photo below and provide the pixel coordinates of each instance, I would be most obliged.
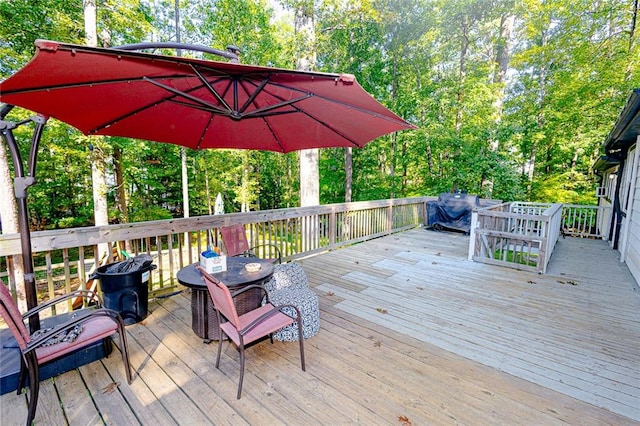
(50, 284)
(67, 276)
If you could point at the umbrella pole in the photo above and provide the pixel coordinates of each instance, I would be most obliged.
(21, 183)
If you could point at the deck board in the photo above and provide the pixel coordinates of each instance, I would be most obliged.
(78, 406)
(514, 321)
(411, 333)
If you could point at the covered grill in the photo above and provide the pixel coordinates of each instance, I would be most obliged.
(452, 212)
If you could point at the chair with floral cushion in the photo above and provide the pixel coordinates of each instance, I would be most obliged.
(83, 328)
(251, 326)
(288, 285)
(235, 242)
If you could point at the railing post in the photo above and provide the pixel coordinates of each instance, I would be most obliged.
(472, 233)
(423, 210)
(333, 229)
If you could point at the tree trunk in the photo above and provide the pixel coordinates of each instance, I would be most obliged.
(247, 187)
(185, 182)
(98, 176)
(309, 178)
(531, 165)
(207, 190)
(310, 195)
(392, 168)
(632, 38)
(121, 193)
(503, 54)
(632, 27)
(462, 70)
(404, 168)
(306, 56)
(90, 24)
(348, 170)
(9, 221)
(574, 159)
(309, 159)
(394, 136)
(309, 168)
(501, 66)
(541, 96)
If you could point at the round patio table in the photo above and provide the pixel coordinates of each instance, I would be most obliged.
(204, 321)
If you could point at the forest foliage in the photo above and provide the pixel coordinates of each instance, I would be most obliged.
(512, 99)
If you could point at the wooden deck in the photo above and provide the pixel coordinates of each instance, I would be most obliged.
(411, 334)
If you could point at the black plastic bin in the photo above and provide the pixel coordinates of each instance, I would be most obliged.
(126, 292)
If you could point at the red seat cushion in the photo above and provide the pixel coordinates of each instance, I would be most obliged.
(268, 326)
(93, 330)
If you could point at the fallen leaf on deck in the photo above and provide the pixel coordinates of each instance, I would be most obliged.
(438, 254)
(572, 282)
(420, 288)
(330, 293)
(434, 263)
(110, 388)
(382, 311)
(404, 420)
(377, 343)
(531, 282)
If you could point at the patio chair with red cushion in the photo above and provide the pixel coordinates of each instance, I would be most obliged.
(251, 326)
(82, 328)
(235, 242)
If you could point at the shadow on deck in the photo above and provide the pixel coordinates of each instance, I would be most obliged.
(411, 333)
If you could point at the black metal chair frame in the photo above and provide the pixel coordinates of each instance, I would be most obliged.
(29, 364)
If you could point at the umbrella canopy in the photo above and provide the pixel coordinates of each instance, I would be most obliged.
(196, 103)
(190, 102)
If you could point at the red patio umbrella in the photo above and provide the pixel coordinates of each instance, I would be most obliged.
(190, 102)
(196, 103)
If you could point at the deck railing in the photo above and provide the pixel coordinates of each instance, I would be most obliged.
(64, 258)
(586, 221)
(523, 235)
(518, 235)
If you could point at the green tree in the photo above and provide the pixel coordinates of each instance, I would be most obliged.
(573, 75)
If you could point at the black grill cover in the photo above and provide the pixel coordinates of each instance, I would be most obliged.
(452, 212)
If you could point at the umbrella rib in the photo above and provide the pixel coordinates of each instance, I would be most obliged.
(204, 132)
(345, 137)
(264, 111)
(213, 91)
(255, 93)
(275, 136)
(74, 85)
(192, 98)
